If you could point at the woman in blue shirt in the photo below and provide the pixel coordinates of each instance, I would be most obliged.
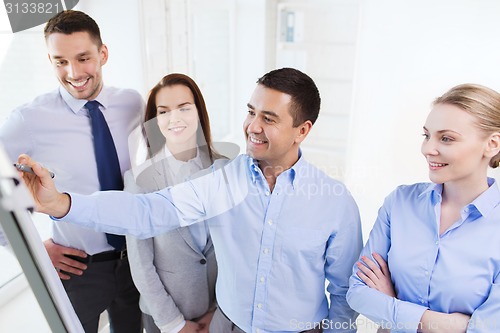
(432, 261)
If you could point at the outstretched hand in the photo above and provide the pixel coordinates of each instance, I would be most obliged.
(47, 199)
(376, 276)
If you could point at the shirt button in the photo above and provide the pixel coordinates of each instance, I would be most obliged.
(266, 251)
(257, 330)
(437, 243)
(259, 306)
(203, 261)
(426, 273)
(270, 222)
(262, 279)
(268, 193)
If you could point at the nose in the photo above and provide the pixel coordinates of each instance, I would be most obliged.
(74, 70)
(429, 147)
(174, 116)
(253, 125)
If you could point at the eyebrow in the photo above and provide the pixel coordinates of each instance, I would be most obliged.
(178, 106)
(269, 113)
(78, 55)
(443, 131)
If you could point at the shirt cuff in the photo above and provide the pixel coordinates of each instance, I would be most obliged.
(409, 315)
(174, 326)
(53, 218)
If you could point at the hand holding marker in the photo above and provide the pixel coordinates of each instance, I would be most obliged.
(25, 168)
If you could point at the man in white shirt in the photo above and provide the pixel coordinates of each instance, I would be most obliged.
(55, 127)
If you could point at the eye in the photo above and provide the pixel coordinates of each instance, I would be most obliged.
(184, 109)
(446, 139)
(60, 62)
(268, 120)
(84, 59)
(251, 113)
(162, 111)
(426, 136)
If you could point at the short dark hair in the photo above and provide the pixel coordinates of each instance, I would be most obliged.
(70, 21)
(305, 102)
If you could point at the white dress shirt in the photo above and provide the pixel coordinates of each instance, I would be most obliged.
(55, 130)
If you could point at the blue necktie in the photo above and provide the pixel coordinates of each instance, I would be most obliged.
(108, 165)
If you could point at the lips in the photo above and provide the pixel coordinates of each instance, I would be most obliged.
(255, 140)
(177, 129)
(435, 166)
(78, 84)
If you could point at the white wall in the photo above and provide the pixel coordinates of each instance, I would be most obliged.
(410, 52)
(249, 61)
(120, 31)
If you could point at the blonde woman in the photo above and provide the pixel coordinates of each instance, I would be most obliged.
(432, 261)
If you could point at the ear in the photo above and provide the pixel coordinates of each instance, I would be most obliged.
(304, 130)
(493, 145)
(103, 52)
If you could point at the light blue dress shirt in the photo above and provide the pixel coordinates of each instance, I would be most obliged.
(274, 249)
(55, 130)
(166, 269)
(457, 271)
(179, 171)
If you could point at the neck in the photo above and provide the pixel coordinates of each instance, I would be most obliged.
(184, 152)
(271, 171)
(96, 92)
(461, 194)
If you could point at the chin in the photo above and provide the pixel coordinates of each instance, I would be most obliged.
(437, 180)
(252, 154)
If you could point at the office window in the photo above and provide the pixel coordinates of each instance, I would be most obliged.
(25, 73)
(195, 38)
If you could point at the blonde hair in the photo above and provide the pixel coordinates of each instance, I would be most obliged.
(481, 102)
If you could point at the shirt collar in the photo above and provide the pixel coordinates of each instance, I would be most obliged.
(291, 172)
(295, 169)
(253, 166)
(175, 165)
(77, 104)
(484, 203)
(489, 199)
(434, 192)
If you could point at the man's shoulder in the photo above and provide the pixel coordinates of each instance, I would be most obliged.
(125, 99)
(221, 161)
(46, 100)
(318, 182)
(235, 166)
(122, 92)
(313, 172)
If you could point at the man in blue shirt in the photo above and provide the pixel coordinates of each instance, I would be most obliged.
(55, 128)
(280, 226)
